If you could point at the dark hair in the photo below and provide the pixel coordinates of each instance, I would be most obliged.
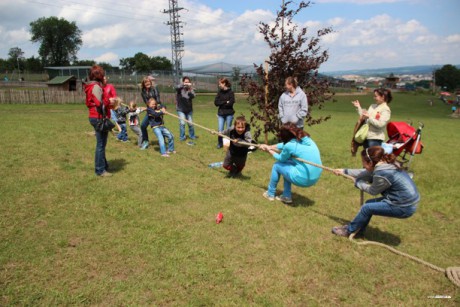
(225, 82)
(292, 81)
(385, 93)
(240, 120)
(96, 73)
(376, 154)
(186, 78)
(290, 131)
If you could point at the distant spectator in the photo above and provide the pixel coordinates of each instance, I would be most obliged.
(224, 100)
(377, 117)
(184, 105)
(293, 104)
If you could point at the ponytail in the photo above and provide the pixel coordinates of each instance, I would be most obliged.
(377, 154)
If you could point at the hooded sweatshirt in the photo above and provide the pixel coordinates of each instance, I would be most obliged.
(94, 100)
(303, 174)
(184, 98)
(395, 185)
(293, 109)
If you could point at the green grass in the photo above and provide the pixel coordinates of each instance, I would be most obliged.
(147, 235)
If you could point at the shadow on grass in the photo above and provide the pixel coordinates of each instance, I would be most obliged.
(117, 165)
(371, 234)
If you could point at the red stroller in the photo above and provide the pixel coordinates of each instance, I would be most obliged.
(405, 139)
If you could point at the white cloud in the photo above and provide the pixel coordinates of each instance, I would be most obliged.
(113, 30)
(109, 57)
(453, 38)
(359, 1)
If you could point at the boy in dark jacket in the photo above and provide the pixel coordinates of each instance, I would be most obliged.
(235, 160)
(184, 106)
(155, 112)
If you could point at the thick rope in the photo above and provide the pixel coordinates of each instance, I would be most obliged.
(452, 273)
(256, 145)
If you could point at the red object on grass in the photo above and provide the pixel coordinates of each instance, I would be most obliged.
(219, 218)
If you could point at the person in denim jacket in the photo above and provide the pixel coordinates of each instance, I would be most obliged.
(381, 175)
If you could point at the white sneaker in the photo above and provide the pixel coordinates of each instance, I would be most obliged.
(270, 198)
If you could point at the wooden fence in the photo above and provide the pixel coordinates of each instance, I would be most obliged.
(45, 96)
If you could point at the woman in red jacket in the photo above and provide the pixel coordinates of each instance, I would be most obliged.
(94, 100)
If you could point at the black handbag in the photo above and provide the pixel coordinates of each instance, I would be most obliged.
(104, 124)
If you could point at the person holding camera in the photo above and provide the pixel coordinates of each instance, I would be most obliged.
(184, 98)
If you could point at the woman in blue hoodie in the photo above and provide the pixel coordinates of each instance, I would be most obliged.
(296, 143)
(381, 175)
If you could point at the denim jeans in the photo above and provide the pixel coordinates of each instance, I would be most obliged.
(221, 124)
(101, 142)
(144, 126)
(137, 131)
(123, 135)
(378, 207)
(191, 129)
(162, 133)
(281, 169)
(371, 143)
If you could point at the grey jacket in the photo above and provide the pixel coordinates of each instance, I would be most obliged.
(293, 109)
(395, 185)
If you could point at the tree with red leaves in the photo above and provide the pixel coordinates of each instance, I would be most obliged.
(293, 53)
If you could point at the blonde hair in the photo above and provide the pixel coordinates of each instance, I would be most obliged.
(132, 105)
(145, 80)
(153, 100)
(117, 102)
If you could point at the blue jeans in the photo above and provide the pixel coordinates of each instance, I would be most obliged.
(378, 207)
(281, 169)
(371, 143)
(101, 142)
(144, 126)
(123, 135)
(222, 120)
(191, 129)
(162, 133)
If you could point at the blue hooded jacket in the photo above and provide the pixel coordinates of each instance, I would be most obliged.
(303, 174)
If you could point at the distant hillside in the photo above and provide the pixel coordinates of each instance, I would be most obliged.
(409, 70)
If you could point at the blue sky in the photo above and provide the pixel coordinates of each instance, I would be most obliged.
(368, 33)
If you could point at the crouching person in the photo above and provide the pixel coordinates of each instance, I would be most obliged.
(381, 175)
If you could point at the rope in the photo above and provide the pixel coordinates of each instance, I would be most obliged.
(256, 145)
(452, 273)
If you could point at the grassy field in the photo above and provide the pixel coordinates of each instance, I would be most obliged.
(147, 235)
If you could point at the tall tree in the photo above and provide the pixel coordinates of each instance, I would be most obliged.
(59, 40)
(15, 53)
(293, 53)
(448, 77)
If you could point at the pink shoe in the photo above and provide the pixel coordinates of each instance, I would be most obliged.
(165, 155)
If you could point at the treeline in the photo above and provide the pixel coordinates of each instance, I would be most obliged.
(139, 62)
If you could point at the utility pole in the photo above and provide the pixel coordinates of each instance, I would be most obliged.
(177, 44)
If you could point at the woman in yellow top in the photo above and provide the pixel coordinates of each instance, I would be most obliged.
(377, 117)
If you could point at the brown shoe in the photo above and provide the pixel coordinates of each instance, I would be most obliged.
(341, 231)
(106, 174)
